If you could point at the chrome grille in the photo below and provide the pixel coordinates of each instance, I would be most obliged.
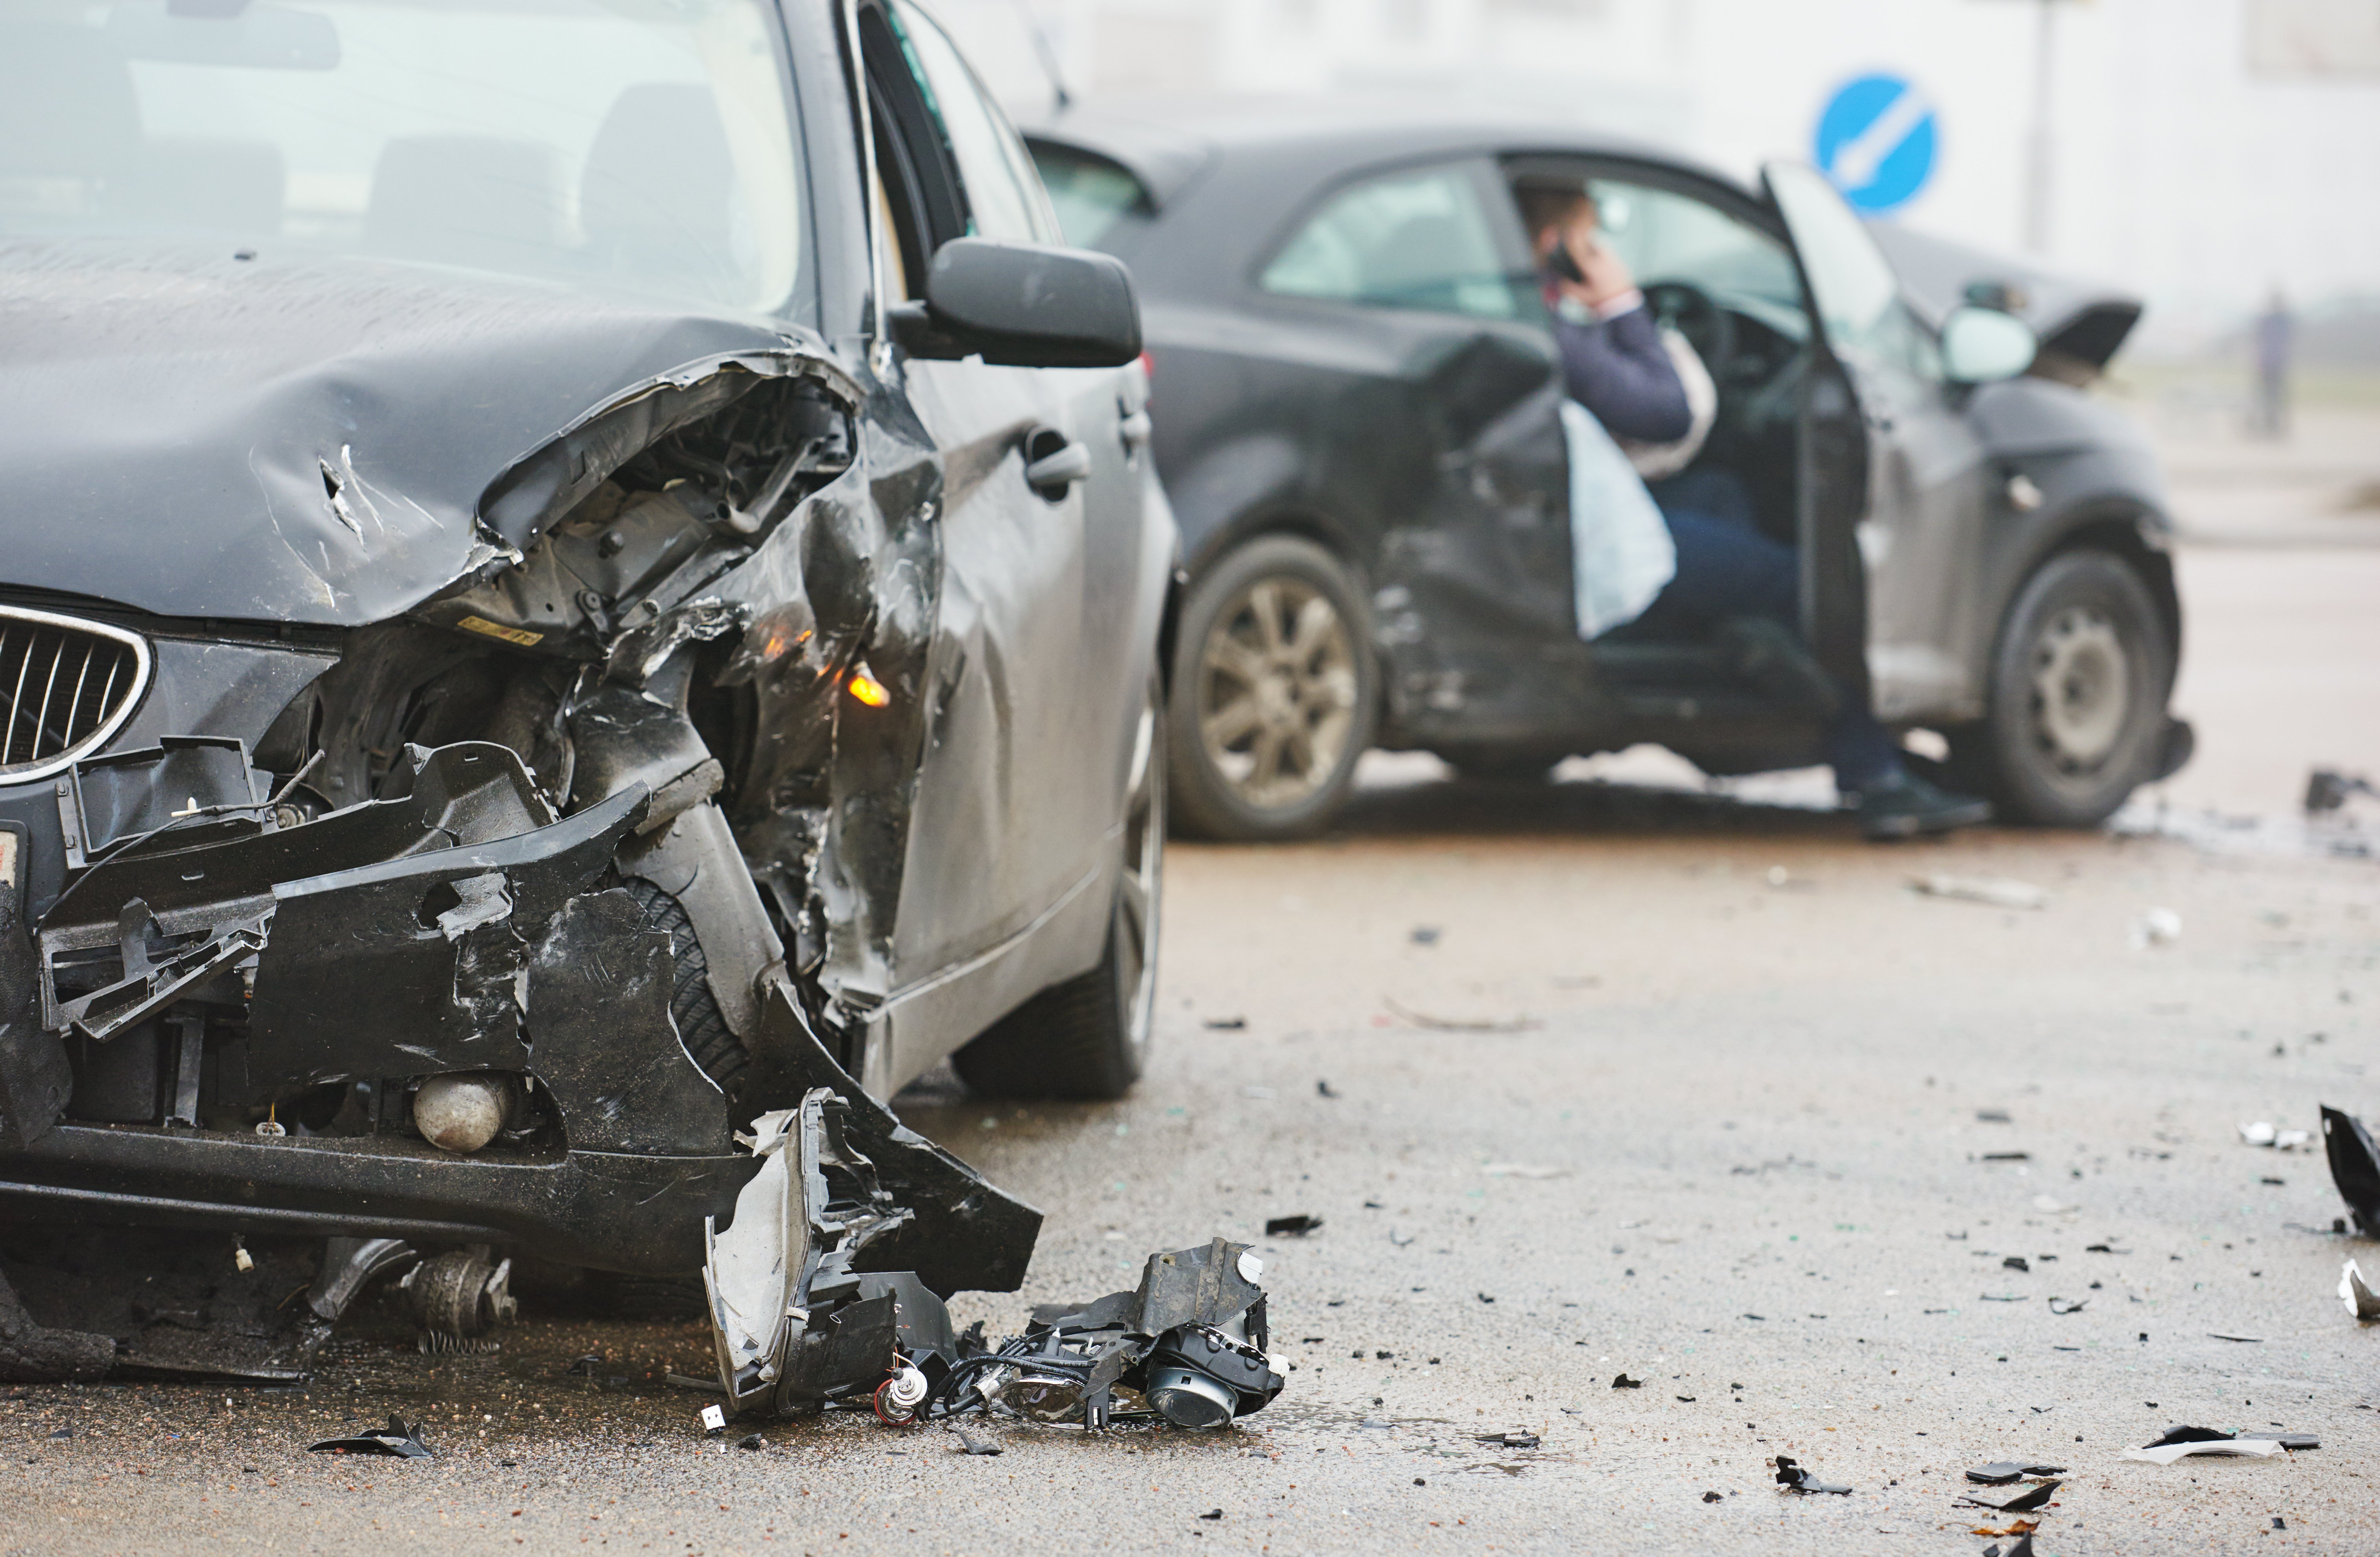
(65, 688)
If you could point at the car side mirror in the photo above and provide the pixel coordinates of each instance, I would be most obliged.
(1022, 304)
(1983, 345)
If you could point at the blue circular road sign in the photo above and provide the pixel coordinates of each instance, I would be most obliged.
(1875, 140)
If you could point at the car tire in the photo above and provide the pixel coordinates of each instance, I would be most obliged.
(1086, 1039)
(1275, 693)
(2076, 717)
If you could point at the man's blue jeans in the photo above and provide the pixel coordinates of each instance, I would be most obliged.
(1726, 568)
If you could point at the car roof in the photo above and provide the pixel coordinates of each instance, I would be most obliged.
(1169, 144)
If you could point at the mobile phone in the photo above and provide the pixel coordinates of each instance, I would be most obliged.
(1565, 265)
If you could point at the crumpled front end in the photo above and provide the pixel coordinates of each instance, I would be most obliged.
(485, 927)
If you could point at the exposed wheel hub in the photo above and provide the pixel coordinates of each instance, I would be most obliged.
(2082, 689)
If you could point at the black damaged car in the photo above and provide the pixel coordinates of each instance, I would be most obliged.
(572, 578)
(1358, 420)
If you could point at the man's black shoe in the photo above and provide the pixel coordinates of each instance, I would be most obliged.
(1907, 807)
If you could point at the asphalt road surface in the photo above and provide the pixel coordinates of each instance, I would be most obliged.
(1620, 1080)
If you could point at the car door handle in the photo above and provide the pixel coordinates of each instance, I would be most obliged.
(1054, 463)
(1136, 429)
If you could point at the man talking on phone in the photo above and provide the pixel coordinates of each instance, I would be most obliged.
(1617, 364)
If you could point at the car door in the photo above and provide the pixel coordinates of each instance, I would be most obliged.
(1408, 327)
(1893, 477)
(1019, 786)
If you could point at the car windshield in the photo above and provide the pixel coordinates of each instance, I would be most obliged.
(641, 144)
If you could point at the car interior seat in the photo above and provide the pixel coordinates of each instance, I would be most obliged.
(657, 194)
(467, 199)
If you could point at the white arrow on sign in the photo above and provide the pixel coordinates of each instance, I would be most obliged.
(1856, 160)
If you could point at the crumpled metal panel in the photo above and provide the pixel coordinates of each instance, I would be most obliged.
(305, 439)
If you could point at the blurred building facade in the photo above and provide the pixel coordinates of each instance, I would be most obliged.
(2203, 151)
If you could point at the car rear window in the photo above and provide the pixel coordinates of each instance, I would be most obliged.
(619, 142)
(1099, 203)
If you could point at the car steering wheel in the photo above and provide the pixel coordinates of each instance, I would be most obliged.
(1696, 315)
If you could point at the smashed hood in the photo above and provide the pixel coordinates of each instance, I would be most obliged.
(2083, 321)
(293, 437)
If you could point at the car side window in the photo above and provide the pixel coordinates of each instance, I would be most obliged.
(1416, 239)
(1664, 235)
(1003, 193)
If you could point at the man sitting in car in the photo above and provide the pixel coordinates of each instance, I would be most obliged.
(1618, 364)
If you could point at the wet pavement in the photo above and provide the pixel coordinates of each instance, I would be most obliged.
(1583, 1079)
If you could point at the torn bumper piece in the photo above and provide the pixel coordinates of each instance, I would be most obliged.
(227, 971)
(805, 1314)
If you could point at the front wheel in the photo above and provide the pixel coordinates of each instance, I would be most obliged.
(2078, 693)
(1275, 693)
(1086, 1039)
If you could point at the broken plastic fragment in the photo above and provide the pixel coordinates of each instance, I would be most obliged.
(2186, 1441)
(1518, 1438)
(396, 1441)
(1621, 1382)
(974, 1445)
(1797, 1478)
(714, 1419)
(1296, 1226)
(2023, 1502)
(1999, 1473)
(2357, 1293)
(1999, 891)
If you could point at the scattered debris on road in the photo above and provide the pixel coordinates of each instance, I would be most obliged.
(1621, 1382)
(1295, 1227)
(2327, 789)
(1999, 1473)
(1797, 1478)
(714, 1419)
(2183, 1443)
(2357, 1293)
(1516, 1438)
(2023, 1502)
(970, 1445)
(396, 1441)
(2354, 1167)
(1227, 1023)
(2263, 1133)
(1459, 1024)
(1998, 891)
(2159, 927)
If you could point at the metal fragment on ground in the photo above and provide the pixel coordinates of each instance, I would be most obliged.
(1796, 1477)
(396, 1441)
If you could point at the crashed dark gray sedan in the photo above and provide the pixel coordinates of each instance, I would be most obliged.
(572, 578)
(1358, 420)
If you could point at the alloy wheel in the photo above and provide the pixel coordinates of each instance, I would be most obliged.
(1276, 691)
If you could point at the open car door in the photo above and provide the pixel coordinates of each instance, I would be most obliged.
(1891, 476)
